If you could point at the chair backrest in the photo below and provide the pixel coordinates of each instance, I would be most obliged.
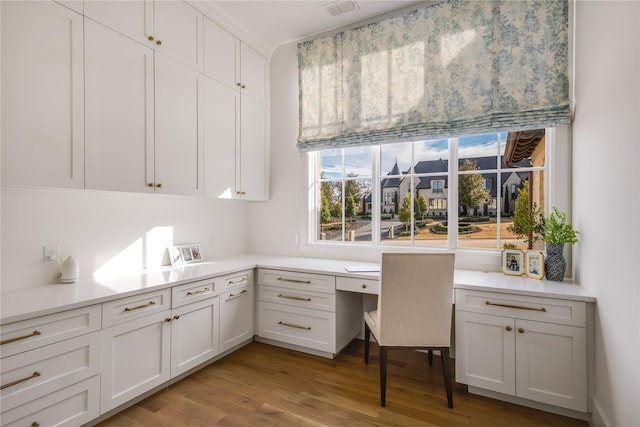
(415, 299)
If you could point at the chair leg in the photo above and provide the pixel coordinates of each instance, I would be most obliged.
(446, 367)
(430, 357)
(383, 376)
(367, 337)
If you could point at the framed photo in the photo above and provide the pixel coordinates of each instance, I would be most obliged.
(534, 264)
(184, 254)
(513, 262)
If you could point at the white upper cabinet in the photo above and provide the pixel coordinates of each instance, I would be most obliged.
(254, 74)
(222, 54)
(42, 95)
(178, 32)
(253, 151)
(172, 28)
(178, 128)
(119, 102)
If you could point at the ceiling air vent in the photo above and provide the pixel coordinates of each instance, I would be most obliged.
(341, 6)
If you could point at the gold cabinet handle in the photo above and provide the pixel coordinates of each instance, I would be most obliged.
(243, 86)
(284, 279)
(521, 330)
(23, 337)
(519, 307)
(159, 185)
(35, 424)
(198, 292)
(231, 282)
(239, 84)
(509, 328)
(151, 184)
(364, 286)
(240, 193)
(167, 319)
(36, 374)
(150, 38)
(158, 42)
(293, 325)
(244, 291)
(295, 298)
(176, 317)
(150, 303)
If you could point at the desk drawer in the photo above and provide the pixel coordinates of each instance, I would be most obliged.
(47, 369)
(234, 281)
(550, 310)
(315, 300)
(363, 286)
(313, 329)
(74, 405)
(297, 280)
(192, 292)
(40, 331)
(135, 307)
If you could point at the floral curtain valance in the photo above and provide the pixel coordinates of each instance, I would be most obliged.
(458, 67)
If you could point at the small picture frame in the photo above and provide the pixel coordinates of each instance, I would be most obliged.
(513, 262)
(184, 254)
(534, 264)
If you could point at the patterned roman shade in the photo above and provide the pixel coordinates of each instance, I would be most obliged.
(455, 68)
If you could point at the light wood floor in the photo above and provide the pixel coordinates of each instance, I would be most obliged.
(263, 385)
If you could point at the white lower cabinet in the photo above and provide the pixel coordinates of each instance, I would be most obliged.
(529, 347)
(236, 317)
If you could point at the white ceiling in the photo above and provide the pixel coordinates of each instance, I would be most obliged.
(270, 24)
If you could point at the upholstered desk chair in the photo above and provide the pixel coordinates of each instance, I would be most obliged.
(414, 310)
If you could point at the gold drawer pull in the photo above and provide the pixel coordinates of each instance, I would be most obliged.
(231, 282)
(509, 328)
(24, 337)
(150, 303)
(282, 279)
(244, 291)
(295, 298)
(519, 307)
(364, 286)
(198, 292)
(293, 325)
(16, 382)
(35, 424)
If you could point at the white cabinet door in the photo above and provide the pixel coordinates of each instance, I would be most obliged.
(133, 18)
(485, 351)
(135, 358)
(221, 134)
(253, 151)
(254, 74)
(236, 317)
(42, 95)
(551, 364)
(178, 128)
(178, 30)
(119, 90)
(194, 335)
(221, 54)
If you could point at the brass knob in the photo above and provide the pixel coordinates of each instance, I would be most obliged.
(151, 38)
(243, 86)
(521, 330)
(508, 328)
(176, 317)
(35, 424)
(159, 185)
(364, 286)
(239, 84)
(150, 184)
(168, 319)
(158, 42)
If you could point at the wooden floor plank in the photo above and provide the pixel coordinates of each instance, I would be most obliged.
(264, 385)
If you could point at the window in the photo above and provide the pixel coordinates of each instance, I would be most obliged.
(446, 193)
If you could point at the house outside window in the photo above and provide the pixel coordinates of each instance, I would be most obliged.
(417, 194)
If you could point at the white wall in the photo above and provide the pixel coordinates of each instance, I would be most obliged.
(606, 141)
(110, 232)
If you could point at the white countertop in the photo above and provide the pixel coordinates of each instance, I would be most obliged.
(31, 302)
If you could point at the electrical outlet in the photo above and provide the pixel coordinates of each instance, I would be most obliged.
(51, 254)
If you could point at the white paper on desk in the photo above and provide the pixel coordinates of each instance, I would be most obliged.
(363, 269)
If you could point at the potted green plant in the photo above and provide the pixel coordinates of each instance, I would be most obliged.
(557, 232)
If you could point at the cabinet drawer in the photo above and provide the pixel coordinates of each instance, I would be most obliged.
(296, 280)
(47, 369)
(40, 331)
(234, 281)
(364, 286)
(315, 300)
(307, 328)
(71, 406)
(135, 307)
(550, 310)
(191, 292)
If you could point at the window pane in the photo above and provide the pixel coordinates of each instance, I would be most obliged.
(395, 159)
(330, 163)
(330, 225)
(358, 221)
(478, 222)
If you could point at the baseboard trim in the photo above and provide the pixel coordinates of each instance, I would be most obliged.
(598, 416)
